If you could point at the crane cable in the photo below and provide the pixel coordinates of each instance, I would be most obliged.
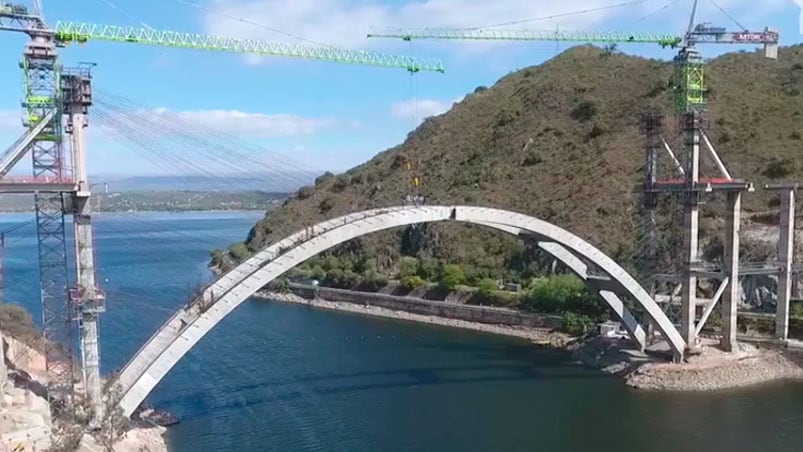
(130, 16)
(555, 16)
(415, 181)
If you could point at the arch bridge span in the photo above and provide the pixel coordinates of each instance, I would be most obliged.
(190, 323)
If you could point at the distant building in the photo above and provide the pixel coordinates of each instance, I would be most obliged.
(610, 329)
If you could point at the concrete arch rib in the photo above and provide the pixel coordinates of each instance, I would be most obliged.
(157, 364)
(170, 330)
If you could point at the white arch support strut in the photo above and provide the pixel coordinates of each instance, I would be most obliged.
(183, 330)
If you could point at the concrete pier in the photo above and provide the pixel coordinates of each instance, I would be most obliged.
(785, 259)
(730, 299)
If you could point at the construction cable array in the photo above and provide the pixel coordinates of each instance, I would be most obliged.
(182, 147)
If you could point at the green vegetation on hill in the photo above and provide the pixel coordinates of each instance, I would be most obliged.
(561, 142)
(17, 322)
(556, 294)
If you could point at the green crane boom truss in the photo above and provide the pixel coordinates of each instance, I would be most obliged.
(665, 40)
(689, 75)
(75, 32)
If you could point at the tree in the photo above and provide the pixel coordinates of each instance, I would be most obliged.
(112, 424)
(452, 275)
(428, 268)
(373, 280)
(408, 266)
(318, 273)
(555, 294)
(487, 287)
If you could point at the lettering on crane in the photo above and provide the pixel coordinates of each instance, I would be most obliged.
(747, 36)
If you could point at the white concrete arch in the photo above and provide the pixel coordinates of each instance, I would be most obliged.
(184, 329)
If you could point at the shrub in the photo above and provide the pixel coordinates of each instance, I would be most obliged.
(408, 266)
(428, 268)
(412, 282)
(326, 205)
(281, 285)
(451, 276)
(342, 279)
(239, 251)
(487, 287)
(305, 192)
(318, 273)
(584, 111)
(373, 280)
(17, 322)
(217, 256)
(796, 310)
(323, 178)
(331, 262)
(555, 294)
(778, 168)
(576, 325)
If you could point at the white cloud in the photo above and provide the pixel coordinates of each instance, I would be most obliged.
(420, 108)
(253, 125)
(344, 23)
(11, 122)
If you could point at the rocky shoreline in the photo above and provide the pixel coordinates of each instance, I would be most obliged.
(708, 371)
(537, 335)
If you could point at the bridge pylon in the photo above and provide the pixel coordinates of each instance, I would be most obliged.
(86, 299)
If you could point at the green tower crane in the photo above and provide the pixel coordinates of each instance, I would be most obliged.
(56, 101)
(690, 70)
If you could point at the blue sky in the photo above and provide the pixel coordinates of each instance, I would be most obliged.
(327, 115)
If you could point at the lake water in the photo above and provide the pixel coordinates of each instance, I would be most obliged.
(274, 377)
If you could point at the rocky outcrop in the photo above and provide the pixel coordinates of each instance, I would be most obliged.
(24, 419)
(3, 369)
(25, 422)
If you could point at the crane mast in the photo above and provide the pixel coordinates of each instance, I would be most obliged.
(56, 102)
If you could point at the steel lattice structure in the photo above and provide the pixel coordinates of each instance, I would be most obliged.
(408, 34)
(43, 102)
(69, 32)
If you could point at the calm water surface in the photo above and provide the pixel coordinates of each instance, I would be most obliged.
(279, 377)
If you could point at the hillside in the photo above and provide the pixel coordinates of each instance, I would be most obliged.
(560, 141)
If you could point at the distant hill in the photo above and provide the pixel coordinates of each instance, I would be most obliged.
(561, 141)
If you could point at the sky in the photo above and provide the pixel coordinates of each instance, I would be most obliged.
(321, 115)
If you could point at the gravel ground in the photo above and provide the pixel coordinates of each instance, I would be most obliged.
(713, 370)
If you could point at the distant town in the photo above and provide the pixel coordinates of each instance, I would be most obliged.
(161, 200)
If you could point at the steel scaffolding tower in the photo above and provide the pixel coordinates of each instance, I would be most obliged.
(43, 102)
